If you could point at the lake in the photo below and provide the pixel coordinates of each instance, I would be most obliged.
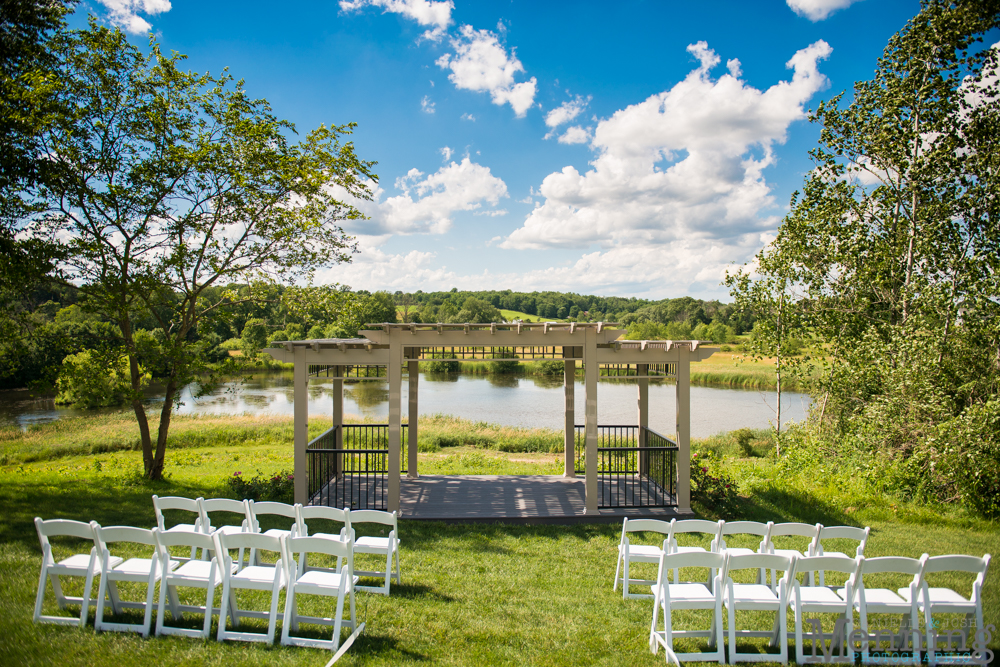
(535, 401)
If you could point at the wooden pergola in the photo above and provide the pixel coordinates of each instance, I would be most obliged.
(393, 346)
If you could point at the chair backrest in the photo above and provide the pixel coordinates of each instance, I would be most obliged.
(182, 539)
(644, 525)
(842, 533)
(373, 516)
(693, 559)
(318, 545)
(971, 564)
(743, 528)
(304, 514)
(258, 509)
(175, 503)
(713, 528)
(112, 534)
(62, 527)
(257, 541)
(214, 505)
(796, 530)
(894, 564)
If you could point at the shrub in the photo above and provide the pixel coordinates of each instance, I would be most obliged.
(550, 367)
(744, 440)
(504, 363)
(442, 363)
(717, 491)
(279, 487)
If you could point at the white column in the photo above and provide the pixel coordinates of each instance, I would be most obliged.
(395, 373)
(643, 406)
(591, 372)
(338, 416)
(300, 419)
(684, 430)
(569, 469)
(413, 369)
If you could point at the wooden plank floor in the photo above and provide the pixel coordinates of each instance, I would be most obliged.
(508, 498)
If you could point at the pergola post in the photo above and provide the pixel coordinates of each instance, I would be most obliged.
(300, 420)
(413, 371)
(642, 370)
(338, 417)
(569, 468)
(683, 429)
(591, 372)
(395, 373)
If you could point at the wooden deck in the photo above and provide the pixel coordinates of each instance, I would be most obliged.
(531, 499)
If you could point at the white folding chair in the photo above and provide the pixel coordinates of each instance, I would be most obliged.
(180, 504)
(941, 600)
(713, 529)
(134, 570)
(755, 528)
(803, 530)
(860, 535)
(669, 597)
(387, 546)
(825, 600)
(190, 574)
(259, 510)
(78, 565)
(869, 600)
(758, 597)
(251, 577)
(227, 507)
(332, 584)
(629, 553)
(316, 514)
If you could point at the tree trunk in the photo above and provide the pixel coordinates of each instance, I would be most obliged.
(135, 377)
(156, 469)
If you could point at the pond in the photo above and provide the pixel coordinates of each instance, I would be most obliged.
(534, 401)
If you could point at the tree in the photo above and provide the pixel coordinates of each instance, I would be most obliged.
(170, 182)
(893, 249)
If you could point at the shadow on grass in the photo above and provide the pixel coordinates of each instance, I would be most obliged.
(782, 506)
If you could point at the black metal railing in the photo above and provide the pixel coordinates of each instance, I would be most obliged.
(348, 466)
(630, 475)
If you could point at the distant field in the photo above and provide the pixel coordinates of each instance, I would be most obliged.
(508, 315)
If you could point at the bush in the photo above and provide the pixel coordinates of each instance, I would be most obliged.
(718, 492)
(744, 440)
(442, 364)
(253, 337)
(550, 367)
(90, 379)
(279, 487)
(505, 363)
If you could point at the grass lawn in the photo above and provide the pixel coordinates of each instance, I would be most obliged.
(471, 594)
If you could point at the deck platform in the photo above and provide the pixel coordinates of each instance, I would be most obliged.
(526, 499)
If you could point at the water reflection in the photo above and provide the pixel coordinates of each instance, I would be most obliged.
(513, 400)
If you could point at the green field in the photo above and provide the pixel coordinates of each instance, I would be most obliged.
(471, 594)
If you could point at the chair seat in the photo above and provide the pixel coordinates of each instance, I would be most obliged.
(880, 597)
(753, 594)
(254, 575)
(819, 596)
(314, 581)
(680, 593)
(277, 532)
(79, 563)
(371, 544)
(687, 550)
(229, 530)
(196, 570)
(635, 551)
(788, 552)
(183, 528)
(944, 600)
(739, 551)
(134, 567)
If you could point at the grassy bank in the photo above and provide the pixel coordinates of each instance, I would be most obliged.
(471, 595)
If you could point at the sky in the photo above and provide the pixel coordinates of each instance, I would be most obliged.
(629, 148)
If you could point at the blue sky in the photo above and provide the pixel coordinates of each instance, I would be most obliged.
(633, 148)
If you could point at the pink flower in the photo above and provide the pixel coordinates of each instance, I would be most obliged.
(703, 470)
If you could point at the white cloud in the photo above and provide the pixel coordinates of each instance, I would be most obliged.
(125, 13)
(575, 135)
(684, 164)
(566, 111)
(425, 12)
(446, 153)
(817, 10)
(492, 214)
(481, 64)
(468, 116)
(427, 202)
(426, 105)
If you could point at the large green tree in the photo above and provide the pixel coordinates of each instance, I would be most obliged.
(170, 182)
(894, 248)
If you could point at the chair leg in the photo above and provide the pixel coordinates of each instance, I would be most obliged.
(225, 604)
(85, 603)
(273, 616)
(339, 618)
(720, 643)
(289, 613)
(732, 634)
(57, 589)
(209, 604)
(161, 609)
(625, 576)
(618, 567)
(40, 596)
(395, 550)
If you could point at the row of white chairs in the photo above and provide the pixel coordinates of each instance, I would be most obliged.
(250, 513)
(718, 531)
(217, 569)
(854, 596)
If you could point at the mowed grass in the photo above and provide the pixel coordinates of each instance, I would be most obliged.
(471, 594)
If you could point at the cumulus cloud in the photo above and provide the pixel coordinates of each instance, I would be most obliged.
(575, 135)
(566, 111)
(446, 153)
(125, 13)
(480, 63)
(684, 164)
(468, 116)
(817, 10)
(437, 15)
(427, 202)
(426, 105)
